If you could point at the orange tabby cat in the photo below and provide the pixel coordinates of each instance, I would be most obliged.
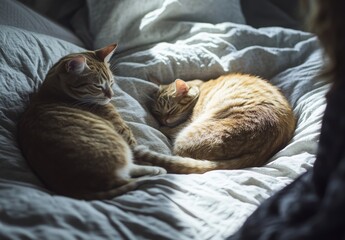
(73, 137)
(234, 121)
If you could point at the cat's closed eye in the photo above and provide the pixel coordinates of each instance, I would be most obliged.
(172, 110)
(156, 112)
(98, 86)
(81, 85)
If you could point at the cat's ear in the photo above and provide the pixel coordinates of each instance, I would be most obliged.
(76, 65)
(181, 88)
(104, 54)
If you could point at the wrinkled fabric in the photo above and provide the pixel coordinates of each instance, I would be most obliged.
(213, 205)
(313, 206)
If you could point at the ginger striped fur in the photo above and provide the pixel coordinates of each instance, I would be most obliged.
(231, 122)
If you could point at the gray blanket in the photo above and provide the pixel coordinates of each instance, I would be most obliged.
(159, 43)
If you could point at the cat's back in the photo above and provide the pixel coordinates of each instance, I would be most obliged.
(237, 114)
(239, 92)
(245, 105)
(239, 86)
(44, 125)
(57, 115)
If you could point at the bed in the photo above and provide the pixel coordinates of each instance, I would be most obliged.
(159, 41)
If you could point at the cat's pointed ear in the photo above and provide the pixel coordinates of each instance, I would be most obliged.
(76, 65)
(181, 87)
(104, 54)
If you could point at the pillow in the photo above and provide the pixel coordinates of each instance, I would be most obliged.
(132, 23)
(13, 13)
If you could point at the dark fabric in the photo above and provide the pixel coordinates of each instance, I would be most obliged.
(313, 206)
(267, 13)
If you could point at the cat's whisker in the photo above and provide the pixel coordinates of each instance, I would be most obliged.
(114, 66)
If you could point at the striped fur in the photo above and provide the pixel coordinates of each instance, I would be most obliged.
(72, 136)
(234, 121)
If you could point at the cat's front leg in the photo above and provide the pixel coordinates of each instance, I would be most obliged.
(124, 130)
(127, 134)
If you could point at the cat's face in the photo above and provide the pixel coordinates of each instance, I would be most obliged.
(85, 77)
(174, 103)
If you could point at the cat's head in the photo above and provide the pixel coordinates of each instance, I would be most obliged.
(174, 102)
(84, 77)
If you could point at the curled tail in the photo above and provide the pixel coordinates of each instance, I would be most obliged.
(178, 164)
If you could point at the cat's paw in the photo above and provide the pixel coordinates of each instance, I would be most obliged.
(139, 152)
(132, 142)
(159, 171)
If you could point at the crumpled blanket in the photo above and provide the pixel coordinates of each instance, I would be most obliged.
(313, 206)
(196, 206)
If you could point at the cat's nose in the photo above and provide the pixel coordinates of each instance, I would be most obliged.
(108, 92)
(166, 121)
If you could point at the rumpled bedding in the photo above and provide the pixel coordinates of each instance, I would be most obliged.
(166, 46)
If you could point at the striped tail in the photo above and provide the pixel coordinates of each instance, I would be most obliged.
(184, 165)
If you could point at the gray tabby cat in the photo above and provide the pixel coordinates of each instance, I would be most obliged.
(72, 136)
(234, 121)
